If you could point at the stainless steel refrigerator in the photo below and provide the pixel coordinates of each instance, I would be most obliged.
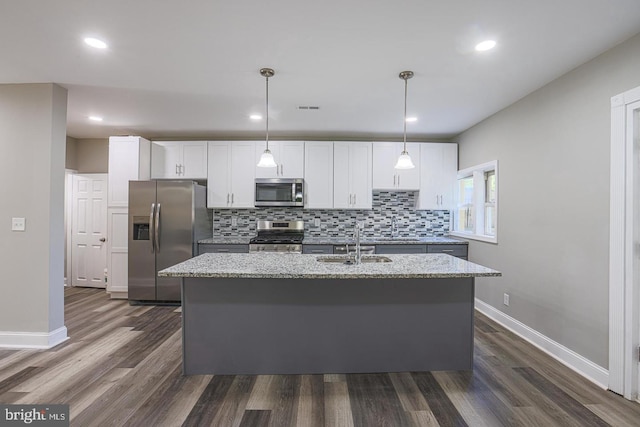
(166, 220)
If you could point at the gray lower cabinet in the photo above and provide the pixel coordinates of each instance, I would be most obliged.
(204, 248)
(459, 251)
(401, 249)
(317, 249)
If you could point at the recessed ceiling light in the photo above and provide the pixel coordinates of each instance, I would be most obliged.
(95, 118)
(485, 45)
(255, 117)
(412, 119)
(97, 43)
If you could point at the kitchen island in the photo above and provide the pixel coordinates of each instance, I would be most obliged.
(293, 314)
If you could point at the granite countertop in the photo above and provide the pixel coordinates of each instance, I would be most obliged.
(226, 240)
(298, 266)
(240, 240)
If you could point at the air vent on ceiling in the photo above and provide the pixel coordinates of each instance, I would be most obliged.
(308, 107)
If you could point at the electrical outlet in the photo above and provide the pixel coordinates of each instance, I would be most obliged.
(234, 221)
(316, 222)
(506, 299)
(18, 224)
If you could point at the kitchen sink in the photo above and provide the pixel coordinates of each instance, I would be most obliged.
(350, 260)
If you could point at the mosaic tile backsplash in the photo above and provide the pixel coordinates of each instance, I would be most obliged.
(338, 222)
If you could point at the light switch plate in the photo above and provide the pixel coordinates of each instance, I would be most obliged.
(18, 224)
(316, 222)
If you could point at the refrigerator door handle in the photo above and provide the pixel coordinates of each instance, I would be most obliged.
(157, 229)
(151, 231)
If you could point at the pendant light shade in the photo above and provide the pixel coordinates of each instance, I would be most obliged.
(404, 161)
(266, 159)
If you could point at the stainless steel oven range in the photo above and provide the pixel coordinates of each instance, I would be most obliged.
(278, 236)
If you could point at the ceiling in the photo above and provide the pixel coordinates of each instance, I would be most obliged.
(189, 69)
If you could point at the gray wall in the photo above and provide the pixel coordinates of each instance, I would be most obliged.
(71, 158)
(93, 155)
(553, 153)
(32, 140)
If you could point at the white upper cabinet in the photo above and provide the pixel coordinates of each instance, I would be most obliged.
(385, 176)
(352, 175)
(230, 177)
(129, 160)
(318, 174)
(179, 159)
(438, 175)
(289, 158)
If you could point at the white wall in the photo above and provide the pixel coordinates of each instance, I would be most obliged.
(553, 153)
(32, 161)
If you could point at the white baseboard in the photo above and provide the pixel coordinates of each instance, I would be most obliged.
(583, 366)
(119, 294)
(39, 340)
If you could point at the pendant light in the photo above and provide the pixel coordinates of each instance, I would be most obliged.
(404, 161)
(266, 159)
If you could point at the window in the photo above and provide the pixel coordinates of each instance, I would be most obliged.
(476, 213)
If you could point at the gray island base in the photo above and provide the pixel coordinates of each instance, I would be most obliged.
(290, 314)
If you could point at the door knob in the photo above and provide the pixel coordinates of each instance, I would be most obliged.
(102, 239)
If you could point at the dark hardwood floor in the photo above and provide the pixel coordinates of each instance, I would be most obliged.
(122, 366)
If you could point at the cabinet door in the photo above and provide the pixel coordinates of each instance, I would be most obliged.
(242, 174)
(291, 162)
(218, 175)
(408, 179)
(166, 157)
(438, 175)
(360, 174)
(194, 160)
(401, 249)
(274, 147)
(342, 197)
(455, 250)
(125, 164)
(431, 157)
(384, 158)
(205, 248)
(288, 155)
(386, 176)
(448, 175)
(317, 249)
(318, 175)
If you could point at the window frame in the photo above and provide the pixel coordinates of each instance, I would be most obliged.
(480, 202)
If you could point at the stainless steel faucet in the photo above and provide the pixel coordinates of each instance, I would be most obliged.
(394, 227)
(356, 236)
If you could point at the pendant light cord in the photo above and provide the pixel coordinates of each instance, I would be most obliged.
(404, 149)
(267, 108)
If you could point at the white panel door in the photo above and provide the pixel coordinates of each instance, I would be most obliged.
(89, 230)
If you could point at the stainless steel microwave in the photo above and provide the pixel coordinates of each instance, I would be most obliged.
(279, 192)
